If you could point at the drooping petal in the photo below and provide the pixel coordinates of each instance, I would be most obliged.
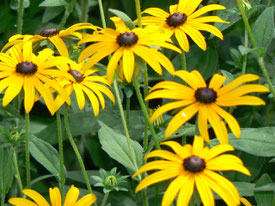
(198, 145)
(216, 82)
(14, 87)
(209, 28)
(60, 45)
(180, 118)
(202, 122)
(204, 190)
(86, 200)
(93, 99)
(227, 162)
(112, 65)
(71, 196)
(120, 25)
(29, 92)
(231, 121)
(79, 96)
(182, 39)
(157, 177)
(186, 191)
(128, 61)
(195, 35)
(173, 189)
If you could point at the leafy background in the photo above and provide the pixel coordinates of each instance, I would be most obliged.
(101, 139)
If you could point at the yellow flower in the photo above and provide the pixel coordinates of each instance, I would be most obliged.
(83, 83)
(55, 198)
(193, 166)
(53, 35)
(183, 20)
(20, 68)
(206, 101)
(125, 44)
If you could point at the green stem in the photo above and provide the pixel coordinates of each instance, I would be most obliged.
(27, 153)
(80, 161)
(268, 3)
(252, 39)
(102, 14)
(20, 16)
(61, 157)
(128, 103)
(183, 58)
(133, 155)
(145, 112)
(17, 173)
(245, 56)
(69, 9)
(85, 9)
(138, 11)
(105, 198)
(145, 79)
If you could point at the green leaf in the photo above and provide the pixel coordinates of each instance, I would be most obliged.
(14, 4)
(258, 52)
(117, 148)
(53, 3)
(256, 141)
(45, 154)
(264, 198)
(228, 75)
(264, 27)
(51, 12)
(128, 21)
(6, 170)
(245, 188)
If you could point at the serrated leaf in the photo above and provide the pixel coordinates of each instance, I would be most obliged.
(53, 3)
(264, 27)
(115, 145)
(128, 21)
(264, 198)
(256, 141)
(45, 154)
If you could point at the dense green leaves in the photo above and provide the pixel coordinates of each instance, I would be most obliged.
(264, 198)
(117, 148)
(253, 140)
(6, 170)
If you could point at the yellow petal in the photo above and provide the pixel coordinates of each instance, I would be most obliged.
(195, 35)
(182, 39)
(112, 65)
(60, 45)
(216, 82)
(86, 200)
(227, 162)
(179, 119)
(156, 12)
(204, 190)
(217, 150)
(181, 151)
(202, 122)
(27, 51)
(191, 78)
(205, 9)
(206, 19)
(186, 191)
(209, 28)
(128, 61)
(79, 96)
(55, 196)
(120, 25)
(39, 199)
(29, 92)
(93, 99)
(245, 202)
(198, 145)
(17, 201)
(71, 196)
(14, 88)
(165, 155)
(243, 100)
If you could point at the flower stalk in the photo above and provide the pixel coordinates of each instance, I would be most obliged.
(17, 173)
(69, 9)
(27, 152)
(20, 16)
(102, 16)
(138, 11)
(76, 151)
(61, 157)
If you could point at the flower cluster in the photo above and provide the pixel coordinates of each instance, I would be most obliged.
(26, 67)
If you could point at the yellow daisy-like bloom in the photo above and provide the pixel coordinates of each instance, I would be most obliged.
(53, 35)
(206, 100)
(55, 198)
(83, 83)
(183, 20)
(125, 44)
(20, 68)
(193, 166)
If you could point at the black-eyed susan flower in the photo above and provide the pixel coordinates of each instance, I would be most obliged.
(21, 69)
(53, 35)
(125, 44)
(193, 166)
(83, 83)
(55, 198)
(184, 20)
(206, 100)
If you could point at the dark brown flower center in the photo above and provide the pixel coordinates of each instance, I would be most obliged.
(205, 95)
(49, 32)
(176, 19)
(77, 75)
(26, 68)
(194, 164)
(127, 39)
